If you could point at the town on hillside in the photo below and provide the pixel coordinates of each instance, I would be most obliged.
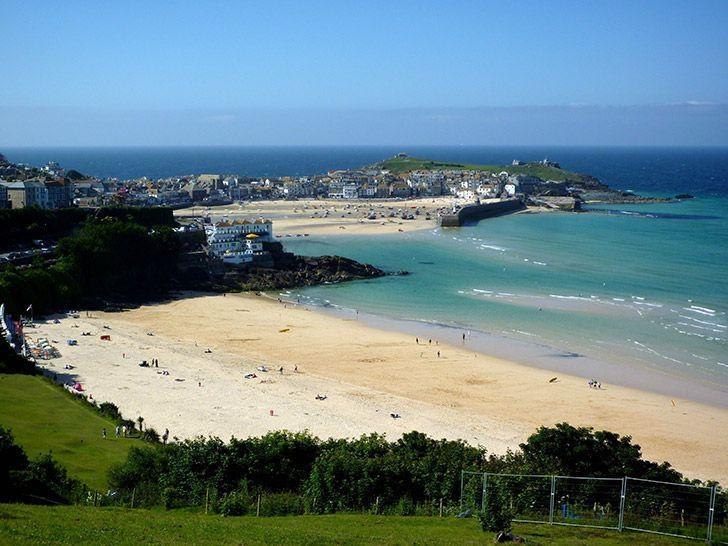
(51, 186)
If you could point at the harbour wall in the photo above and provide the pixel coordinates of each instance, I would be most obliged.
(475, 212)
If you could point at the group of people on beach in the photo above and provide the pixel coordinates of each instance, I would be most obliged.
(594, 384)
(124, 430)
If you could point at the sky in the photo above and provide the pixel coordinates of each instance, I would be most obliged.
(643, 72)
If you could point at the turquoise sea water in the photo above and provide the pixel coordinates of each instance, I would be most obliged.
(645, 286)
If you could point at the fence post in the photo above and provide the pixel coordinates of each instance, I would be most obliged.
(440, 506)
(462, 484)
(133, 492)
(207, 497)
(711, 513)
(552, 500)
(622, 503)
(485, 491)
(257, 508)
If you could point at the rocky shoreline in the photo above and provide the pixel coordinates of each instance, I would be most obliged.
(298, 272)
(610, 196)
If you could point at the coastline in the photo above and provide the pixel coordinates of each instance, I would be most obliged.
(366, 371)
(542, 356)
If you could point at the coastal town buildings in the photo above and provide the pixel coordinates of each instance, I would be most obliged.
(4, 203)
(59, 193)
(27, 193)
(51, 186)
(238, 242)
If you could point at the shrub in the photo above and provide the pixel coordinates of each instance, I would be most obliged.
(405, 507)
(150, 435)
(171, 498)
(39, 481)
(110, 411)
(281, 504)
(496, 515)
(236, 503)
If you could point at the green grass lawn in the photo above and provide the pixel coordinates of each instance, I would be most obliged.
(44, 419)
(399, 165)
(22, 524)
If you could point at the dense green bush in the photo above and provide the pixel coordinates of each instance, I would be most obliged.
(496, 515)
(150, 435)
(407, 476)
(110, 411)
(11, 362)
(20, 227)
(235, 503)
(107, 259)
(580, 451)
(39, 481)
(282, 504)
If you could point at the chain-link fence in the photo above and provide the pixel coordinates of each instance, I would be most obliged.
(681, 510)
(472, 485)
(587, 502)
(528, 496)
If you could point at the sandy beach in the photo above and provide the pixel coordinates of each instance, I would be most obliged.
(335, 216)
(364, 373)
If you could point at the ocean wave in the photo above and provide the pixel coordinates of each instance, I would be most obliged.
(493, 247)
(560, 297)
(701, 327)
(706, 309)
(706, 322)
(652, 351)
(701, 310)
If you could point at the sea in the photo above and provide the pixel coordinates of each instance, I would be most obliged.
(628, 294)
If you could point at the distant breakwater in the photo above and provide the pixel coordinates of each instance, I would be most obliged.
(479, 211)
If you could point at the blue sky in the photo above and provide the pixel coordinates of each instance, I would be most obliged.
(347, 72)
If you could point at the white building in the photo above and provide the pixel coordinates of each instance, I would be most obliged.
(236, 242)
(338, 190)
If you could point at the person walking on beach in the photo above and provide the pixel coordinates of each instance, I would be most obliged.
(463, 337)
(280, 370)
(438, 354)
(417, 340)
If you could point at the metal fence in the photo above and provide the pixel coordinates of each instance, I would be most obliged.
(680, 510)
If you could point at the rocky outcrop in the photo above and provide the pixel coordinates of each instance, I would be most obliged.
(617, 197)
(300, 271)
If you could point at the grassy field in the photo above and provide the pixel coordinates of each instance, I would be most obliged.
(403, 164)
(21, 524)
(44, 418)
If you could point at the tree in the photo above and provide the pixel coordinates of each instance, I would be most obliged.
(496, 515)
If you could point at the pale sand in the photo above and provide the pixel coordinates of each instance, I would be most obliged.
(349, 217)
(365, 373)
